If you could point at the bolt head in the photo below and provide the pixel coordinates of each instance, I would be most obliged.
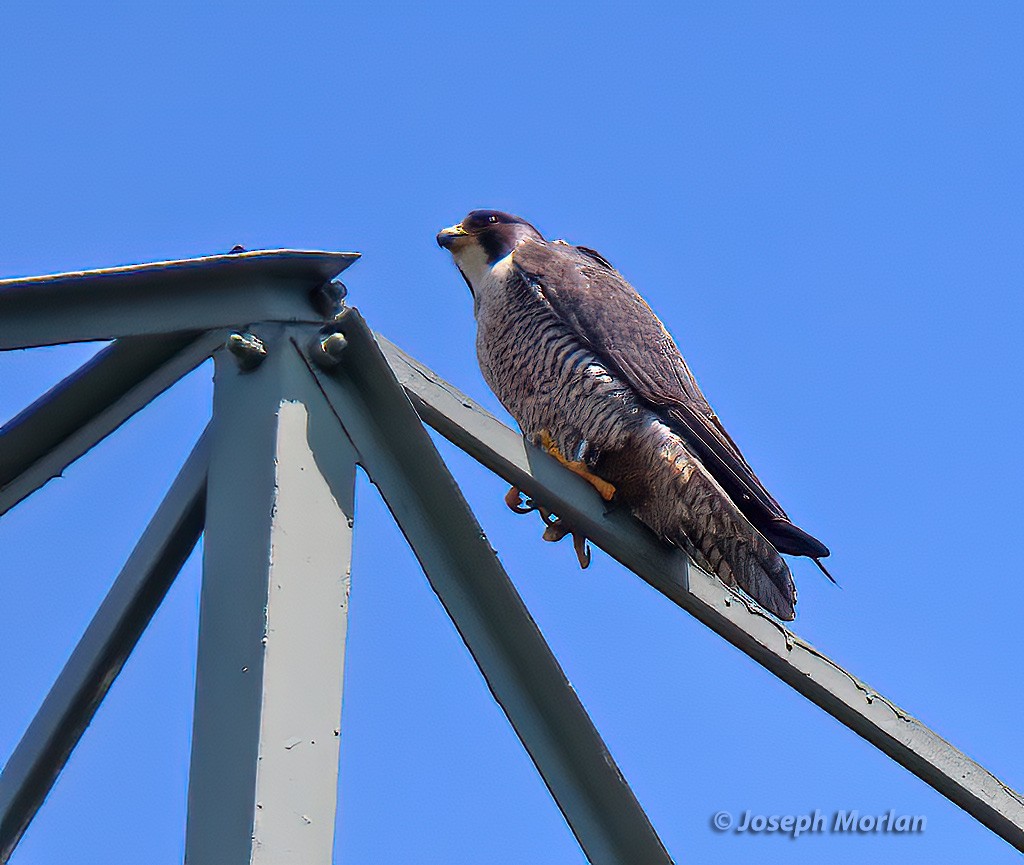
(329, 299)
(247, 349)
(334, 344)
(328, 349)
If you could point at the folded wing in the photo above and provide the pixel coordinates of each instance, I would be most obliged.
(609, 315)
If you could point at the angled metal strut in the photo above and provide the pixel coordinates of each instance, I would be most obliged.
(101, 653)
(464, 571)
(807, 670)
(88, 405)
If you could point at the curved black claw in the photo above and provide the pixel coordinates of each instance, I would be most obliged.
(513, 498)
(582, 548)
(554, 528)
(557, 529)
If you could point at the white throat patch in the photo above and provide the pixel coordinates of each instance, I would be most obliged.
(472, 261)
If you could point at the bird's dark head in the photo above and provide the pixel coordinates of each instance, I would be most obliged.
(486, 234)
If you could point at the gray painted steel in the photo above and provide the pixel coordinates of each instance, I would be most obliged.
(190, 295)
(273, 616)
(732, 616)
(279, 509)
(464, 571)
(100, 654)
(91, 403)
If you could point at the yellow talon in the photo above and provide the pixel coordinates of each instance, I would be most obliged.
(604, 489)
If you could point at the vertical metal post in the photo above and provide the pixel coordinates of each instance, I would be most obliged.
(273, 617)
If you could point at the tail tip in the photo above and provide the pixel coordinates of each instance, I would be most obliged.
(824, 570)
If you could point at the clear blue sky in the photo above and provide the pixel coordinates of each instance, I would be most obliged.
(824, 203)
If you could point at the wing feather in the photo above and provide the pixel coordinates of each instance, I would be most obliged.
(610, 316)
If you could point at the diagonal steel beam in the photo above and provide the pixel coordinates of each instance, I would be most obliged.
(164, 297)
(808, 671)
(101, 653)
(83, 409)
(273, 617)
(464, 571)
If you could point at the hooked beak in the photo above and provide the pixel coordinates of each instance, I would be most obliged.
(446, 237)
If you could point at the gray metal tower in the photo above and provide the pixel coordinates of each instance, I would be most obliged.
(304, 392)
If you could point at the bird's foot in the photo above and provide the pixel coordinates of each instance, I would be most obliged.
(557, 529)
(604, 489)
(554, 528)
(514, 500)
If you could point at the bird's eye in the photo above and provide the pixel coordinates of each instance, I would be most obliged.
(492, 218)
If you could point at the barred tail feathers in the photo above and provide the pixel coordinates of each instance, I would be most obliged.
(687, 506)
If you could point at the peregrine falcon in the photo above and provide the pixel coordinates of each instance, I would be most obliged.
(591, 375)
